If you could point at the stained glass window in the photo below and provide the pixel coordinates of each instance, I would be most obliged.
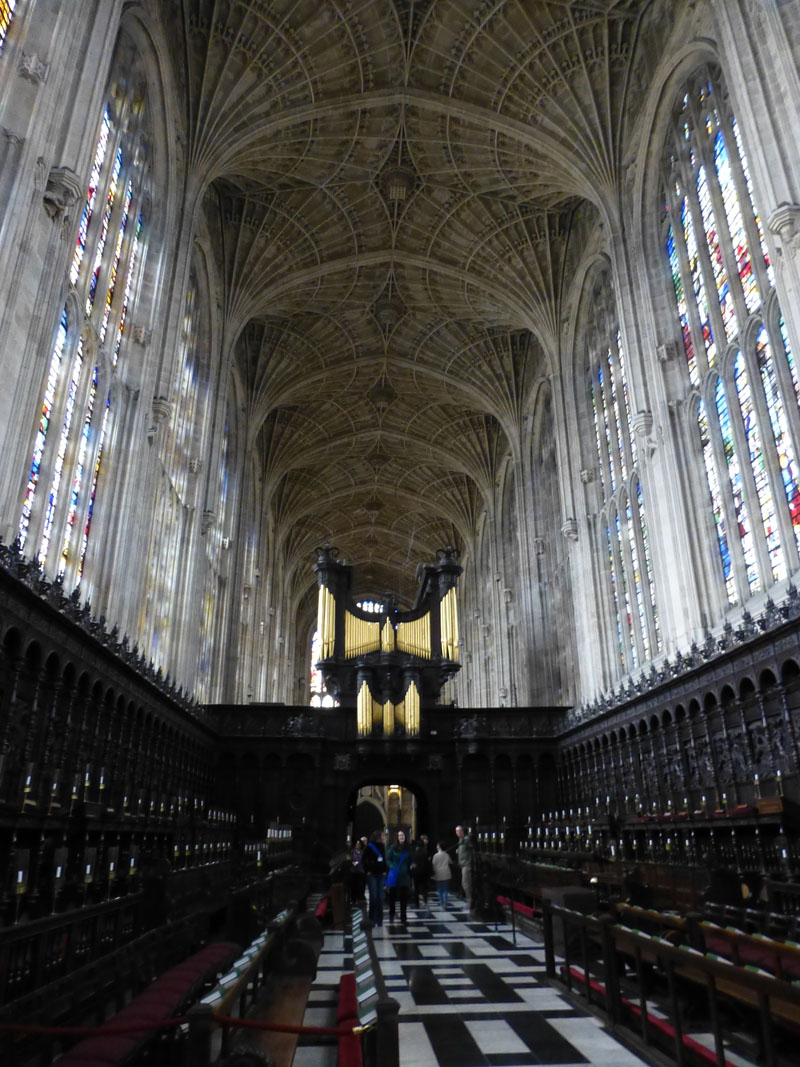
(752, 424)
(712, 479)
(779, 424)
(180, 516)
(65, 470)
(629, 589)
(613, 586)
(217, 541)
(320, 697)
(374, 607)
(6, 15)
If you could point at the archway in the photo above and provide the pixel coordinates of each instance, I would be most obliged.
(386, 805)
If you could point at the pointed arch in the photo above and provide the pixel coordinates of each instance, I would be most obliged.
(626, 594)
(736, 350)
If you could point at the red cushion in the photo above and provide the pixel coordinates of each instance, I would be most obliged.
(348, 1005)
(102, 1049)
(720, 946)
(349, 1051)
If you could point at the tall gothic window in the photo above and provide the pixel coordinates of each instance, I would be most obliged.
(374, 607)
(623, 537)
(6, 15)
(177, 504)
(76, 410)
(217, 542)
(554, 676)
(741, 373)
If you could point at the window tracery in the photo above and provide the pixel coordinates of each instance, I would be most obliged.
(214, 608)
(76, 408)
(738, 359)
(556, 631)
(181, 455)
(629, 588)
(6, 15)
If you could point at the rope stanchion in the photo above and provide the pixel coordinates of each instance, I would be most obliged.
(136, 1028)
(288, 1028)
(90, 1031)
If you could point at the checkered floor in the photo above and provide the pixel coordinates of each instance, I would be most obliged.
(469, 996)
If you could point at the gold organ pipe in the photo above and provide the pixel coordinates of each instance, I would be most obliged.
(388, 718)
(364, 712)
(326, 621)
(321, 614)
(415, 636)
(387, 637)
(411, 709)
(360, 635)
(449, 619)
(331, 623)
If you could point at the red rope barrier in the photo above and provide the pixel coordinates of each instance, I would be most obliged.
(90, 1031)
(135, 1028)
(288, 1028)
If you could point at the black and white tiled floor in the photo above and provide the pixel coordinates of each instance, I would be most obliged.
(469, 997)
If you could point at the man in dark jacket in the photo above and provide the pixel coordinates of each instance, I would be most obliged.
(374, 866)
(421, 870)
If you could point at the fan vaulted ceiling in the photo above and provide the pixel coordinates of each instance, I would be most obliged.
(394, 185)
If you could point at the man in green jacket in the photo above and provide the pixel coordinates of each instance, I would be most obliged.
(464, 861)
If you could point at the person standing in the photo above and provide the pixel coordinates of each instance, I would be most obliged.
(420, 870)
(398, 858)
(374, 866)
(442, 873)
(358, 879)
(464, 860)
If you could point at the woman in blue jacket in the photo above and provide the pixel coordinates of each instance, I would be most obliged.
(398, 879)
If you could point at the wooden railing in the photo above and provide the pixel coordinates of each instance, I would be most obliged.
(770, 999)
(35, 954)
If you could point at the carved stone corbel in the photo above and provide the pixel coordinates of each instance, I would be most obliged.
(33, 68)
(161, 410)
(784, 222)
(207, 521)
(642, 423)
(569, 528)
(10, 137)
(666, 351)
(142, 336)
(62, 190)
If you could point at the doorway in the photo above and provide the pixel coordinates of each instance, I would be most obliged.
(389, 806)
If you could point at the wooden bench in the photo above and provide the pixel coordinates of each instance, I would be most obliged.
(167, 996)
(349, 1053)
(655, 1021)
(774, 1001)
(747, 986)
(286, 1000)
(779, 958)
(667, 924)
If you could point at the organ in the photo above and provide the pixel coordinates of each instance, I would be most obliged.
(389, 665)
